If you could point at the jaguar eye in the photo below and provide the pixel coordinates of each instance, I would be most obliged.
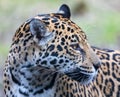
(75, 46)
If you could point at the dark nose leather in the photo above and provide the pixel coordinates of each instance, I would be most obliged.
(97, 66)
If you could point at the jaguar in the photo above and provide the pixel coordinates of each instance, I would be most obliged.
(50, 57)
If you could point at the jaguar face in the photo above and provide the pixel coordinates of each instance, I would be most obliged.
(53, 41)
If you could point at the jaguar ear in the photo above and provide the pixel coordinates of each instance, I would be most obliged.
(65, 10)
(40, 32)
(37, 28)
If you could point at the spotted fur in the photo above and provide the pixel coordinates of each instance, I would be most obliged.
(50, 57)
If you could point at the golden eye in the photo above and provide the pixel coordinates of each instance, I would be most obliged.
(75, 46)
(78, 48)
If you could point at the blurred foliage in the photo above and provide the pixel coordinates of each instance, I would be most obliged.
(104, 29)
(100, 24)
(4, 49)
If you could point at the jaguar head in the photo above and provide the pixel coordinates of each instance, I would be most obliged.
(55, 42)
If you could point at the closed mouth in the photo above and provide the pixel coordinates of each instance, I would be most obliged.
(82, 76)
(87, 70)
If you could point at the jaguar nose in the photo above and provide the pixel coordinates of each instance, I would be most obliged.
(97, 66)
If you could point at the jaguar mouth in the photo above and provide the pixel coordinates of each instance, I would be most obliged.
(82, 76)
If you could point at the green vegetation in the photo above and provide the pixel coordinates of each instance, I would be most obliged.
(104, 26)
(101, 27)
(4, 49)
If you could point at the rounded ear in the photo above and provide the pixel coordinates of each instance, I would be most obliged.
(37, 28)
(65, 10)
(40, 32)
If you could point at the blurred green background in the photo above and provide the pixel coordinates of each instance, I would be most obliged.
(99, 19)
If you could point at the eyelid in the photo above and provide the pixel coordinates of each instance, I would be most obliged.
(80, 49)
(74, 46)
(77, 47)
